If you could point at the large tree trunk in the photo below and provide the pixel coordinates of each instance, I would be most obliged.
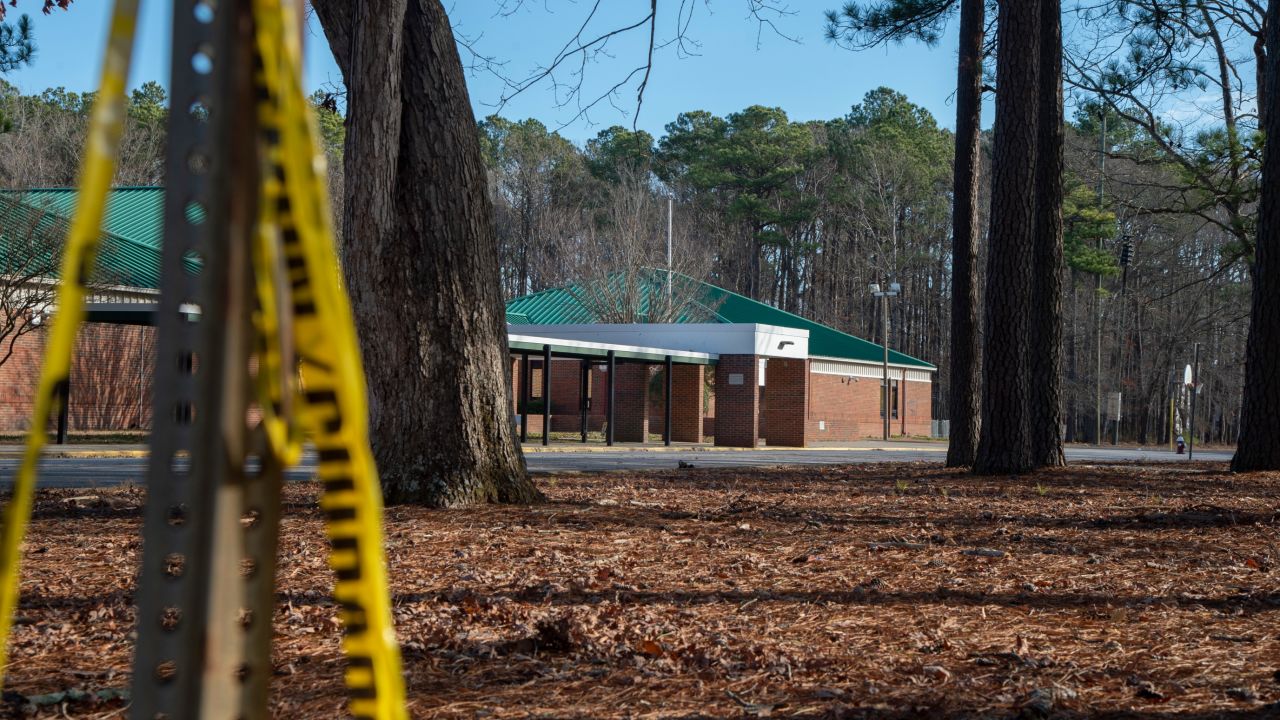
(1046, 293)
(1004, 445)
(966, 369)
(421, 259)
(1259, 444)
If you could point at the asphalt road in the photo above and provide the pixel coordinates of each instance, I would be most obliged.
(93, 472)
(598, 462)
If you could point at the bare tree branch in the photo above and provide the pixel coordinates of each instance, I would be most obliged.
(566, 72)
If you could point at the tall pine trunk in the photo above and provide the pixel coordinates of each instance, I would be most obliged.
(1005, 441)
(1046, 303)
(966, 368)
(420, 258)
(1259, 444)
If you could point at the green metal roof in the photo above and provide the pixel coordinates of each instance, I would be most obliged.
(132, 227)
(562, 306)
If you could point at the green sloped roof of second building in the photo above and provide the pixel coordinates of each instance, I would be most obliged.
(704, 302)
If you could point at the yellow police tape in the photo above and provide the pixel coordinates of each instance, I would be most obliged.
(275, 379)
(332, 396)
(97, 169)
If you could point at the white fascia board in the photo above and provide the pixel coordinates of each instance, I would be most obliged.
(712, 338)
(864, 363)
(605, 347)
(111, 290)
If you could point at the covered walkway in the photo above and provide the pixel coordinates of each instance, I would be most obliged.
(568, 385)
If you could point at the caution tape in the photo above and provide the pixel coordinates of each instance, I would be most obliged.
(275, 379)
(79, 256)
(331, 398)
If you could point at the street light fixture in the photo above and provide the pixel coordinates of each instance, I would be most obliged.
(892, 291)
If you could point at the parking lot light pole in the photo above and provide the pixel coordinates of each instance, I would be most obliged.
(892, 290)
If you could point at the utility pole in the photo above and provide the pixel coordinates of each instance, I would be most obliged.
(892, 290)
(1126, 255)
(1097, 299)
(885, 315)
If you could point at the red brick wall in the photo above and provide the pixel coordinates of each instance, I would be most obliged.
(917, 415)
(533, 394)
(709, 411)
(686, 403)
(18, 378)
(785, 405)
(565, 389)
(631, 392)
(566, 386)
(850, 408)
(737, 406)
(110, 379)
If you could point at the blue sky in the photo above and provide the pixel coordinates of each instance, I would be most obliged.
(810, 78)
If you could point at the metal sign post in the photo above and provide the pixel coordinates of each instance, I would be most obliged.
(203, 636)
(171, 599)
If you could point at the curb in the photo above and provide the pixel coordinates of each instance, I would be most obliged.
(97, 454)
(82, 454)
(535, 449)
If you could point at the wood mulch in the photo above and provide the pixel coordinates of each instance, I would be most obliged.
(897, 590)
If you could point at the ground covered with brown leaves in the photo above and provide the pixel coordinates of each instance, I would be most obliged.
(868, 591)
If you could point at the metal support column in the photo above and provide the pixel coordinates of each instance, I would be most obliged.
(666, 424)
(546, 394)
(608, 422)
(887, 395)
(523, 401)
(64, 409)
(189, 457)
(1195, 388)
(584, 400)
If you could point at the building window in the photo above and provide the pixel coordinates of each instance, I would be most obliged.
(893, 398)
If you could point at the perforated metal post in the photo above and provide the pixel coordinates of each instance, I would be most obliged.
(191, 650)
(169, 655)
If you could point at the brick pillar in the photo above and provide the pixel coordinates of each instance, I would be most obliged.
(566, 384)
(786, 405)
(599, 394)
(737, 401)
(632, 395)
(686, 403)
(566, 387)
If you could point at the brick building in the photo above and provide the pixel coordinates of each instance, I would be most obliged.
(764, 375)
(110, 383)
(732, 370)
